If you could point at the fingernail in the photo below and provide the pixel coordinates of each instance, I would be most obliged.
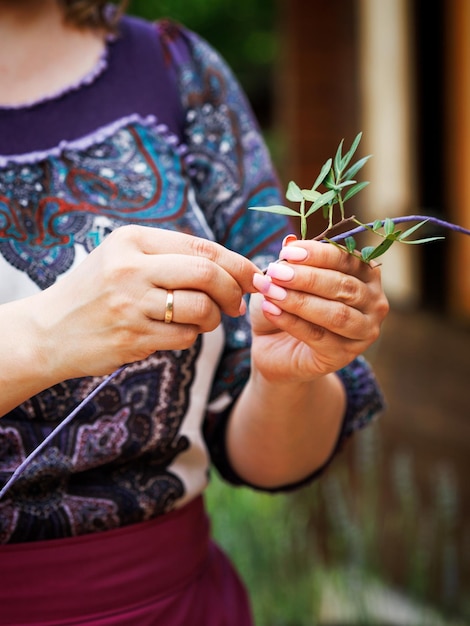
(288, 239)
(261, 282)
(293, 253)
(281, 271)
(242, 308)
(264, 285)
(270, 307)
(275, 292)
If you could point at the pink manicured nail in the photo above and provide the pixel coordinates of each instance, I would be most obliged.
(270, 307)
(281, 271)
(288, 239)
(275, 292)
(293, 253)
(262, 283)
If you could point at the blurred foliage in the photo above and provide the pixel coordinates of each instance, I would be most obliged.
(270, 545)
(242, 31)
(335, 544)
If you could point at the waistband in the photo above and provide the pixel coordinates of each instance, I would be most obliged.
(52, 581)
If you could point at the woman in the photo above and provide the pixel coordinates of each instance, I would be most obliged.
(128, 158)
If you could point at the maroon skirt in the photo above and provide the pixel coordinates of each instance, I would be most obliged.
(164, 572)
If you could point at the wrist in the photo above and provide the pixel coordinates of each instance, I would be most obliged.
(47, 344)
(284, 385)
(24, 362)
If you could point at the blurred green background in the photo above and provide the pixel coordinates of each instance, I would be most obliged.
(243, 31)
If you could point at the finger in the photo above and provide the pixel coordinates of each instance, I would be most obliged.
(327, 345)
(155, 241)
(327, 256)
(199, 274)
(259, 322)
(324, 342)
(335, 316)
(190, 307)
(325, 283)
(156, 335)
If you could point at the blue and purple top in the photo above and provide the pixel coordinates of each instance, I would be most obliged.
(159, 134)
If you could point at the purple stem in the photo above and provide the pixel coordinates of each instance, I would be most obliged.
(24, 464)
(405, 218)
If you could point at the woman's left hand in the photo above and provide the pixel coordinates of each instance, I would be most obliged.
(314, 312)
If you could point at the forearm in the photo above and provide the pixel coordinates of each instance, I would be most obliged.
(281, 433)
(24, 370)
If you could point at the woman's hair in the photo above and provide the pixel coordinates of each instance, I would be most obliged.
(93, 13)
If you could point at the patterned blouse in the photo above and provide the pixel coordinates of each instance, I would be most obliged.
(159, 134)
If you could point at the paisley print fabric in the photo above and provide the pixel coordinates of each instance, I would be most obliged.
(49, 208)
(144, 444)
(112, 466)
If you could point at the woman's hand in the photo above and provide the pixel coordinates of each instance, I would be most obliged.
(110, 310)
(315, 312)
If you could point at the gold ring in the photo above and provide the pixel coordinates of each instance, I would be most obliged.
(168, 307)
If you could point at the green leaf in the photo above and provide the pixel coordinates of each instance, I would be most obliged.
(294, 193)
(324, 199)
(346, 183)
(411, 230)
(329, 180)
(348, 156)
(310, 194)
(425, 240)
(389, 226)
(353, 170)
(373, 253)
(275, 208)
(350, 244)
(366, 252)
(377, 225)
(338, 159)
(323, 173)
(354, 190)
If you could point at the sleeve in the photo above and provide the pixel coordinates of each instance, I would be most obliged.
(231, 170)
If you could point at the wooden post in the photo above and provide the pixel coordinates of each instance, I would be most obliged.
(317, 85)
(387, 121)
(458, 153)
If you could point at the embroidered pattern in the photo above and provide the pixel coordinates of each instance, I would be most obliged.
(114, 459)
(48, 208)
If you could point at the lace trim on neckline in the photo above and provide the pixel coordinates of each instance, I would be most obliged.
(97, 136)
(96, 71)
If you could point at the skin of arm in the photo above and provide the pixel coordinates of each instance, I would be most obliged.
(279, 434)
(23, 372)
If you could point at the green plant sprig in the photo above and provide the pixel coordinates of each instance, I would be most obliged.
(338, 176)
(389, 233)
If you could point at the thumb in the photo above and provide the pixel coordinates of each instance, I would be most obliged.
(259, 323)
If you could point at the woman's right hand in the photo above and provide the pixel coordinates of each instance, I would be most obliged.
(109, 310)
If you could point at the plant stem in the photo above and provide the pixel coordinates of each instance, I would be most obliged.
(328, 232)
(303, 220)
(341, 206)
